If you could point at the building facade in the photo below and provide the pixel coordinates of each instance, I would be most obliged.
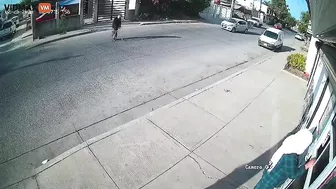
(256, 10)
(99, 10)
(319, 116)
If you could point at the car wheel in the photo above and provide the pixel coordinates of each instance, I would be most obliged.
(245, 31)
(233, 30)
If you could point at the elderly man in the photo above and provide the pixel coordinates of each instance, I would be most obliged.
(116, 25)
(284, 163)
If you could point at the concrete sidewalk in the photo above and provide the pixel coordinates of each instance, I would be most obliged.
(208, 139)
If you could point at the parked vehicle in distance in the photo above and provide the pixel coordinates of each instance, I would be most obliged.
(299, 37)
(255, 22)
(272, 39)
(16, 20)
(234, 25)
(8, 29)
(278, 26)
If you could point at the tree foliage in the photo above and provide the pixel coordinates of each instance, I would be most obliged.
(282, 13)
(290, 20)
(280, 9)
(26, 2)
(190, 7)
(305, 17)
(304, 21)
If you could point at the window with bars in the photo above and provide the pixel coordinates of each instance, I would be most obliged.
(324, 149)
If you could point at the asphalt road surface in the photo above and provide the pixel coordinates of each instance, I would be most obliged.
(55, 96)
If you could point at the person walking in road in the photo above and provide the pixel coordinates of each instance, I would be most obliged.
(116, 25)
(284, 163)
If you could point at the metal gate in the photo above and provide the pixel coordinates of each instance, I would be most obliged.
(105, 9)
(119, 8)
(88, 11)
(108, 9)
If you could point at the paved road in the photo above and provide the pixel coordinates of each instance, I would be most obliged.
(54, 97)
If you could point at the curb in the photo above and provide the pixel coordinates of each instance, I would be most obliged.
(58, 39)
(297, 77)
(113, 131)
(169, 22)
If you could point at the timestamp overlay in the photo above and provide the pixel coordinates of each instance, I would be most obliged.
(256, 167)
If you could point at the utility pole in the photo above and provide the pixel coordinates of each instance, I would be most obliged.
(260, 9)
(252, 7)
(232, 7)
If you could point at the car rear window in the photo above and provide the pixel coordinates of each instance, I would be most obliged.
(271, 34)
(231, 20)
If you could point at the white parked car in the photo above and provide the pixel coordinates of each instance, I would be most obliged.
(255, 22)
(299, 37)
(271, 38)
(234, 25)
(7, 29)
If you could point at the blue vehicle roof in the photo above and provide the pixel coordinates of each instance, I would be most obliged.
(69, 2)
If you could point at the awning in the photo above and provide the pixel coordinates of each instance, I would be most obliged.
(323, 14)
(69, 2)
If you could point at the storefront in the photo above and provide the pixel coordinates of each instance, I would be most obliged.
(319, 111)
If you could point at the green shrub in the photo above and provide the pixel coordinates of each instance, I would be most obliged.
(297, 61)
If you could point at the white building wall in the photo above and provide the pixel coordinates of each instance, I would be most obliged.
(249, 4)
(215, 13)
(312, 51)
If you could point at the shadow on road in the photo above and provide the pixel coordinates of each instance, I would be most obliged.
(250, 33)
(253, 33)
(264, 27)
(148, 37)
(241, 175)
(6, 68)
(286, 49)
